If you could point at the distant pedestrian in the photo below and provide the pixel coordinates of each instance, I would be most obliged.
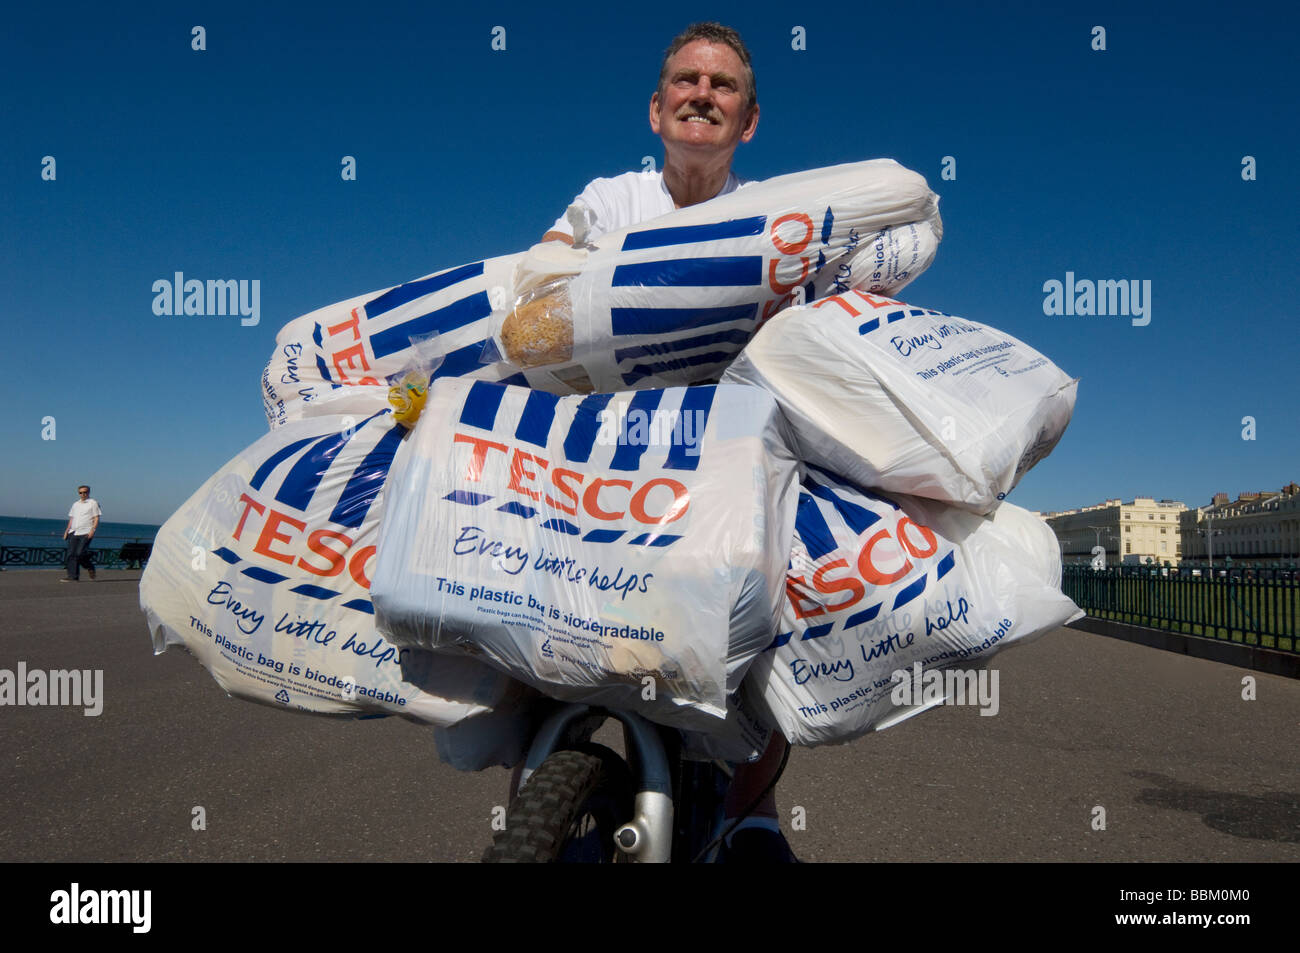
(83, 520)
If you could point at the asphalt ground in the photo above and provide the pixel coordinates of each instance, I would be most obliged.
(1185, 769)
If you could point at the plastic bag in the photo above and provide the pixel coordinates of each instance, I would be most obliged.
(263, 575)
(910, 400)
(669, 302)
(335, 359)
(619, 549)
(879, 585)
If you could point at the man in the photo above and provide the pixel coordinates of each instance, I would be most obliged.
(83, 520)
(705, 106)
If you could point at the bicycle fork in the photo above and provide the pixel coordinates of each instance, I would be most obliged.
(648, 837)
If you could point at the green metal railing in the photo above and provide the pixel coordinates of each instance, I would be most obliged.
(1250, 606)
(56, 553)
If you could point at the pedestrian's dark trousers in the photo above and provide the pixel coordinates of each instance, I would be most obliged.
(78, 555)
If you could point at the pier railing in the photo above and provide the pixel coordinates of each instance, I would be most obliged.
(108, 552)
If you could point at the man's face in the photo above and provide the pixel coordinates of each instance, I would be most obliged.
(703, 106)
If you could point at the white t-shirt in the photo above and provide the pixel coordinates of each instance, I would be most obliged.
(629, 199)
(83, 515)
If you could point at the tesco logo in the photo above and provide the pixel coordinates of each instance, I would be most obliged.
(883, 558)
(790, 235)
(284, 538)
(652, 502)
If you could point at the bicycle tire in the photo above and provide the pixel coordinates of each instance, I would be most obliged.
(545, 822)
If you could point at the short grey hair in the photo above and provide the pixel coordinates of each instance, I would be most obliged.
(712, 33)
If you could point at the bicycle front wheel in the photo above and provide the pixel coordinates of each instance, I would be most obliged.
(568, 811)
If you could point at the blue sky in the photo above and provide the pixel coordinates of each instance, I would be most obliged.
(225, 164)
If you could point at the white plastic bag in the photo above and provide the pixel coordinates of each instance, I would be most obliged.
(495, 739)
(341, 358)
(672, 300)
(263, 574)
(878, 585)
(668, 302)
(910, 400)
(619, 549)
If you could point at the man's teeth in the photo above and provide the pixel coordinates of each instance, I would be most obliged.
(698, 119)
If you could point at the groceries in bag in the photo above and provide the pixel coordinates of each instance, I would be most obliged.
(670, 301)
(620, 549)
(910, 400)
(664, 303)
(264, 575)
(879, 585)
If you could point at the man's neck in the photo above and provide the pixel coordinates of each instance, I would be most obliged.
(691, 185)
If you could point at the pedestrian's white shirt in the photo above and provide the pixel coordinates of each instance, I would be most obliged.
(83, 515)
(629, 199)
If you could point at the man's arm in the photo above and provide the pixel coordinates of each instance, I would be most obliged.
(554, 236)
(93, 526)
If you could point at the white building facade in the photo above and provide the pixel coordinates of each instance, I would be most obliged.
(1144, 530)
(1256, 529)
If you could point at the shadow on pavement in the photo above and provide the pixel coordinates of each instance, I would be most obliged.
(1274, 816)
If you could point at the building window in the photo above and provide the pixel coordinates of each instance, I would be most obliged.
(1151, 516)
(1162, 531)
(1164, 547)
(1128, 547)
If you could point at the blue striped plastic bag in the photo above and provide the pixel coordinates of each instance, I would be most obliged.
(621, 549)
(669, 302)
(264, 575)
(879, 585)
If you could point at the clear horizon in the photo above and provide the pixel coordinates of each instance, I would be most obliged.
(1072, 165)
(1232, 496)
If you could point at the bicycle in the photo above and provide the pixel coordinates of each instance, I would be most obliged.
(579, 802)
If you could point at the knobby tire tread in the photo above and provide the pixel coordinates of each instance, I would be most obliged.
(541, 815)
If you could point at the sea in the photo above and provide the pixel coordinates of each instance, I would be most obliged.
(25, 531)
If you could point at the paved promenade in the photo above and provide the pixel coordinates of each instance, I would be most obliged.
(1185, 769)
